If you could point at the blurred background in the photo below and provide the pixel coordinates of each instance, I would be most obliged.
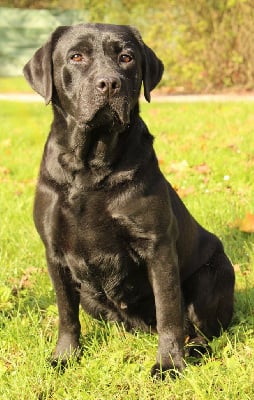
(206, 45)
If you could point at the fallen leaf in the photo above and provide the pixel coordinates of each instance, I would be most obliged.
(248, 351)
(246, 272)
(4, 170)
(154, 112)
(234, 148)
(202, 169)
(236, 267)
(246, 224)
(25, 280)
(18, 192)
(183, 192)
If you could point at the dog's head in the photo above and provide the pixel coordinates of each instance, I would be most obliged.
(94, 71)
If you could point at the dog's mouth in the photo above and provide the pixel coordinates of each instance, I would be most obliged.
(109, 114)
(106, 116)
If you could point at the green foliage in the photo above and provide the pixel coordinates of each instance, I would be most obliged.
(206, 45)
(206, 151)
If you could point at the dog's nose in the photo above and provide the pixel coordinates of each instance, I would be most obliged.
(108, 86)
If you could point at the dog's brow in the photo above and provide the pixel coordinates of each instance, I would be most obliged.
(83, 46)
(116, 45)
(86, 40)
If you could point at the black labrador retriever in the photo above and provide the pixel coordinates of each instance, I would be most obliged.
(118, 238)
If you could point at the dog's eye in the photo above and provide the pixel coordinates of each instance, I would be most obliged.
(125, 58)
(77, 58)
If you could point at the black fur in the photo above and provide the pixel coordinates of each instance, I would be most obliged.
(118, 238)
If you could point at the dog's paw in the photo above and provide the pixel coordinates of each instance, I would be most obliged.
(160, 372)
(63, 358)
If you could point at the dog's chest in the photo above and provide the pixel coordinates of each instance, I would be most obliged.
(103, 248)
(99, 237)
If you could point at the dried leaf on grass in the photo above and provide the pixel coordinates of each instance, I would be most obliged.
(237, 267)
(183, 192)
(178, 167)
(243, 271)
(26, 280)
(203, 169)
(4, 173)
(4, 170)
(246, 224)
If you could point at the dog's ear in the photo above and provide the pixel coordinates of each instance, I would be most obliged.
(38, 71)
(152, 71)
(152, 67)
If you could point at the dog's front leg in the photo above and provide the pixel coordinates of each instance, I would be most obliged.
(68, 298)
(164, 277)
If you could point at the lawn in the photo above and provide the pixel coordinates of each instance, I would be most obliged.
(207, 152)
(14, 84)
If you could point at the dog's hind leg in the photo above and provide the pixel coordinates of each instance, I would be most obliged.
(209, 296)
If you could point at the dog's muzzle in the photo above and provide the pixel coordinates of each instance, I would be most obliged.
(108, 86)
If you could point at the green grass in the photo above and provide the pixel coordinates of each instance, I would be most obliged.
(16, 84)
(207, 152)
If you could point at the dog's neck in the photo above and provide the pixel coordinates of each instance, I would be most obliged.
(97, 152)
(89, 140)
